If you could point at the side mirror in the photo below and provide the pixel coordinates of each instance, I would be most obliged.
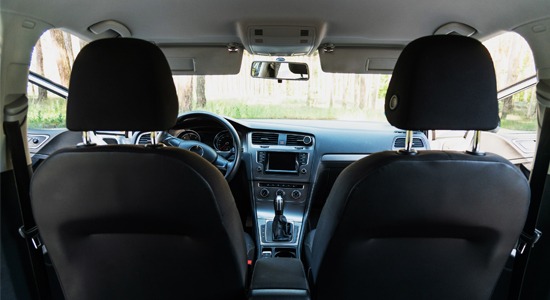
(279, 70)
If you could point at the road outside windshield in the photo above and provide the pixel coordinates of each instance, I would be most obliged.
(324, 96)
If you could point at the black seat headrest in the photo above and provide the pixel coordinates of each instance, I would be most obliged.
(121, 84)
(443, 82)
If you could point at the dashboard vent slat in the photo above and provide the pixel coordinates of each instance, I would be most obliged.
(400, 143)
(144, 139)
(264, 138)
(297, 140)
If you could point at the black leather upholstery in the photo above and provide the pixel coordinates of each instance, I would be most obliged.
(136, 222)
(435, 225)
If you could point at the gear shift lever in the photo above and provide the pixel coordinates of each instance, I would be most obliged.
(279, 205)
(282, 230)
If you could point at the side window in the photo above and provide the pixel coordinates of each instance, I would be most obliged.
(516, 76)
(52, 61)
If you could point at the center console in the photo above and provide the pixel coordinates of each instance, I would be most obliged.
(281, 170)
(279, 278)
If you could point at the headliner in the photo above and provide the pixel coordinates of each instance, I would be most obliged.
(375, 22)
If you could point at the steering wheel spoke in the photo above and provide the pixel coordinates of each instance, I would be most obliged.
(219, 159)
(222, 164)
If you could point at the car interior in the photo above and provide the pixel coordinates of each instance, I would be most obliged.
(289, 150)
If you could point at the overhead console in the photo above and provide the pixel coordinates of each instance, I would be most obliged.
(280, 38)
(281, 171)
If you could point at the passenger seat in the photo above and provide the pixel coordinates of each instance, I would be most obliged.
(432, 224)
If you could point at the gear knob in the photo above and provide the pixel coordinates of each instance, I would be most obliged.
(279, 205)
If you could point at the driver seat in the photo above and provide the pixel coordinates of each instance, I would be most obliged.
(129, 221)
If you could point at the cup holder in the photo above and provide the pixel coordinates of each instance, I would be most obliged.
(285, 253)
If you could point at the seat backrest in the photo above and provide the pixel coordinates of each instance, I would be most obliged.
(128, 221)
(427, 225)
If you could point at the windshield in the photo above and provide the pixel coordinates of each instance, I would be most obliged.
(325, 96)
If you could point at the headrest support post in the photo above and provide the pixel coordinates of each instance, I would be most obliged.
(87, 139)
(408, 140)
(476, 150)
(409, 150)
(154, 138)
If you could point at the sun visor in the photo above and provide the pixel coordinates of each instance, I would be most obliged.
(358, 60)
(203, 60)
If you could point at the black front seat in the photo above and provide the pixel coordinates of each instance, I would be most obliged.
(128, 221)
(432, 224)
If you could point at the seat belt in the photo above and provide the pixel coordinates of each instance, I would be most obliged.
(531, 234)
(15, 114)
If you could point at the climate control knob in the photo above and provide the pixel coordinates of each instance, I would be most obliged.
(264, 192)
(280, 193)
(296, 194)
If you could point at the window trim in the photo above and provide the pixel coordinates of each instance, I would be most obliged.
(49, 85)
(517, 87)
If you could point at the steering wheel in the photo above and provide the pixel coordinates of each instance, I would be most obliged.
(227, 167)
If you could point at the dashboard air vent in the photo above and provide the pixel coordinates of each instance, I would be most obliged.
(110, 141)
(144, 139)
(264, 138)
(298, 140)
(400, 143)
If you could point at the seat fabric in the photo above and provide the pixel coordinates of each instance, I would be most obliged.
(425, 226)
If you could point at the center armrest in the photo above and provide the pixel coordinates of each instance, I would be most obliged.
(274, 278)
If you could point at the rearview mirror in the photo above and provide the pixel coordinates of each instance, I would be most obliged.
(280, 70)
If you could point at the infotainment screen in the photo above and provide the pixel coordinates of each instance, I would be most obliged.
(281, 162)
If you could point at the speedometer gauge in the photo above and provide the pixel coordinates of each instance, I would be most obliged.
(223, 141)
(189, 135)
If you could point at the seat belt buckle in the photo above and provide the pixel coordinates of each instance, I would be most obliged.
(528, 240)
(31, 234)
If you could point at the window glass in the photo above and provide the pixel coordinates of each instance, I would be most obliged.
(519, 111)
(52, 57)
(325, 96)
(46, 110)
(514, 62)
(512, 58)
